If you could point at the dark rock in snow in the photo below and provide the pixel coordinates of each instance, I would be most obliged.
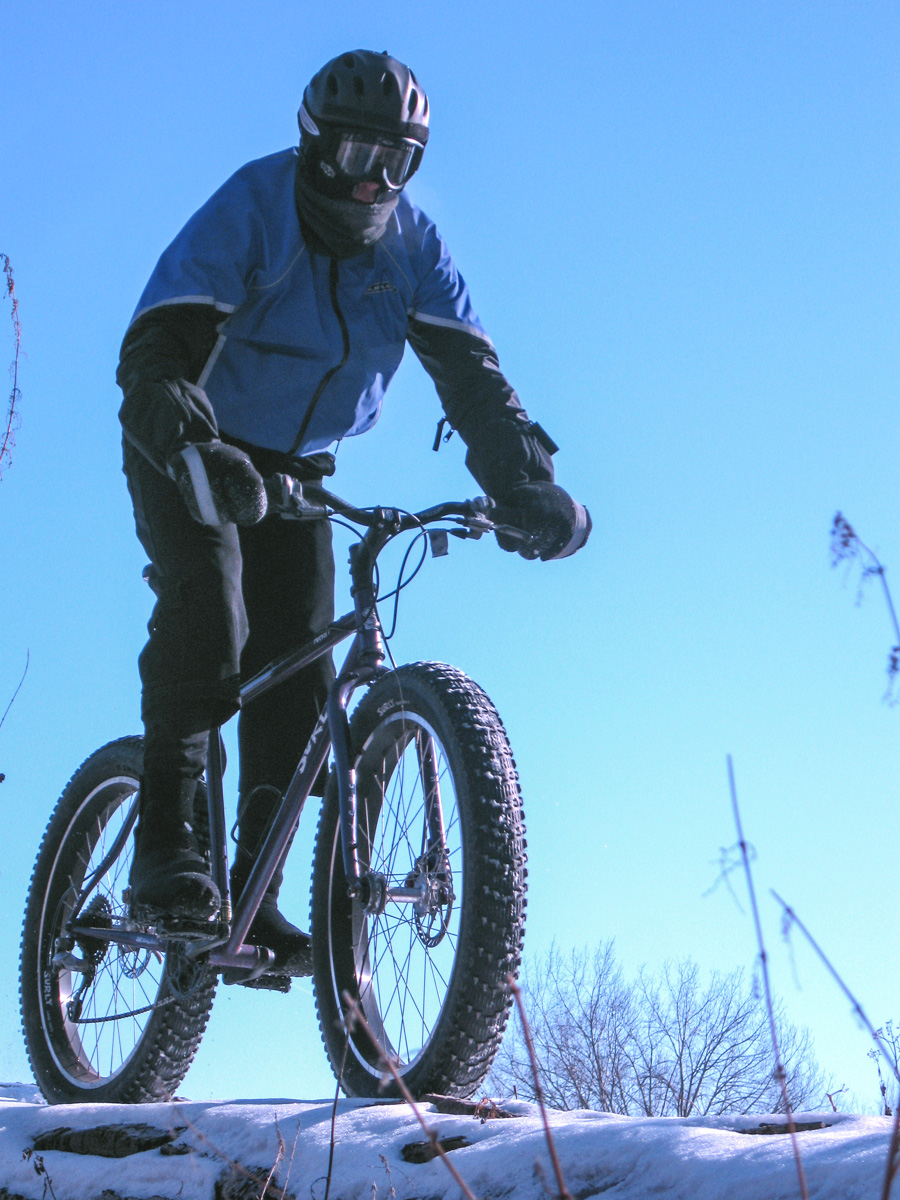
(106, 1141)
(423, 1152)
(246, 1183)
(772, 1127)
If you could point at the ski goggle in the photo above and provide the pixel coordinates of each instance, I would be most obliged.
(361, 156)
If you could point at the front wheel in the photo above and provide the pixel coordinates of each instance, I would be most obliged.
(439, 817)
(102, 1022)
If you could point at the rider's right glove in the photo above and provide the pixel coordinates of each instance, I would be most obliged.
(218, 483)
(558, 524)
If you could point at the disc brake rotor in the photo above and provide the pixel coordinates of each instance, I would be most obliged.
(432, 913)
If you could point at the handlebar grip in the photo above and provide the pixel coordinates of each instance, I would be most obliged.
(580, 533)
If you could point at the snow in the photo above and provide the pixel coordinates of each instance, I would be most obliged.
(622, 1157)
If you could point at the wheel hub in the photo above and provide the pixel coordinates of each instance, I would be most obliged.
(372, 894)
(433, 879)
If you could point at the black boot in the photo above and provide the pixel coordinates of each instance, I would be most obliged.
(169, 876)
(292, 947)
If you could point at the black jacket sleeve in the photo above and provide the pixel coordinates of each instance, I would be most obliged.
(162, 357)
(505, 448)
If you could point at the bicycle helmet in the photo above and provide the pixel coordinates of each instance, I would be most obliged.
(363, 124)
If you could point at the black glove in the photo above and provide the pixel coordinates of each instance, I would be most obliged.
(558, 524)
(218, 483)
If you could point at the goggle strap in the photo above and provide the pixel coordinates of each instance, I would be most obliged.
(306, 120)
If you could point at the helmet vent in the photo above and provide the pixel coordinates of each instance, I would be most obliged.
(372, 91)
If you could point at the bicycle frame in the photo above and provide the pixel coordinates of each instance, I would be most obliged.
(363, 664)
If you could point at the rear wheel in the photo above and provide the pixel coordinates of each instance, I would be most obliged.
(102, 1022)
(440, 819)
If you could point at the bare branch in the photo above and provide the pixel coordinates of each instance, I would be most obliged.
(779, 1068)
(16, 692)
(846, 546)
(564, 1192)
(791, 918)
(893, 1158)
(334, 1107)
(12, 414)
(354, 1015)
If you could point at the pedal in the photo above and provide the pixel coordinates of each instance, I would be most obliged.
(182, 929)
(172, 926)
(269, 983)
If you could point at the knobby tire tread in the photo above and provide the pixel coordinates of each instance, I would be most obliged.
(477, 1007)
(173, 1032)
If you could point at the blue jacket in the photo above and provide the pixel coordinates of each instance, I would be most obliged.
(243, 332)
(280, 328)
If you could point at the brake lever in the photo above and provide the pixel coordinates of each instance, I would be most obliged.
(285, 494)
(473, 527)
(517, 535)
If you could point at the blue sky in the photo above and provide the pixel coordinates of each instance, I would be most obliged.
(678, 222)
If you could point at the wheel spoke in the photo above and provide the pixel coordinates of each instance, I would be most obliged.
(408, 977)
(83, 1057)
(427, 814)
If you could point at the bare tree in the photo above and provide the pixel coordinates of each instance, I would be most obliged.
(579, 1011)
(663, 1045)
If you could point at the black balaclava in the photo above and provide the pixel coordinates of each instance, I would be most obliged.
(342, 228)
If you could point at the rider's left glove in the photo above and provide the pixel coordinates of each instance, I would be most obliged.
(558, 524)
(218, 483)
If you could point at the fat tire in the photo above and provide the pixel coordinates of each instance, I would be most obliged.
(467, 1032)
(163, 1051)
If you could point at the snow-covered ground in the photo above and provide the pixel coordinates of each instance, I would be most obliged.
(213, 1149)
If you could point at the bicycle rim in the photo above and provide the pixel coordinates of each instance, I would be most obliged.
(403, 959)
(428, 969)
(88, 1029)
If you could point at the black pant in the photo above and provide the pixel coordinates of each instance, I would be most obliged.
(229, 600)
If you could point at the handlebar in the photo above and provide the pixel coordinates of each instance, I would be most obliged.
(298, 501)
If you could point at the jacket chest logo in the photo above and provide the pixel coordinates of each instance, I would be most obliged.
(375, 288)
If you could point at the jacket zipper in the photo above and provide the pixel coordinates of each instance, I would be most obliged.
(332, 371)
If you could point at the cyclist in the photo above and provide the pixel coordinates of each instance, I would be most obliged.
(268, 331)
